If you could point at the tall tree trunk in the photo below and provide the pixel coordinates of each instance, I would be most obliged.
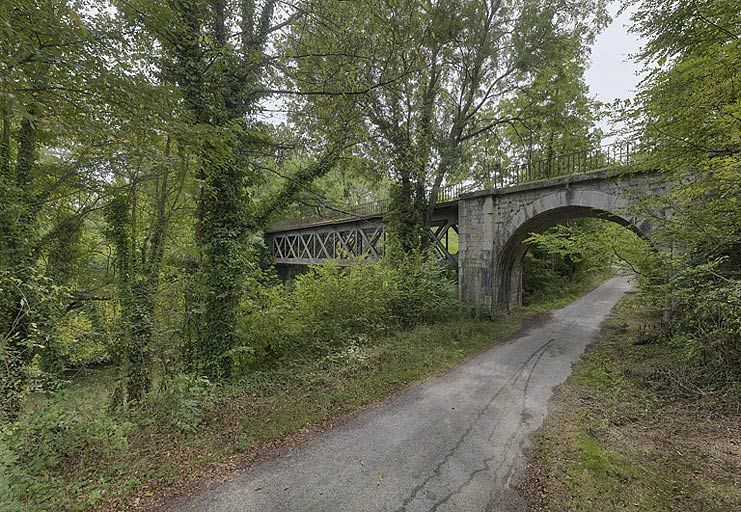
(16, 349)
(26, 153)
(406, 219)
(223, 262)
(5, 146)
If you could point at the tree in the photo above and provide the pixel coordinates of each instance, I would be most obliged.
(215, 53)
(556, 116)
(76, 110)
(53, 63)
(429, 79)
(688, 117)
(137, 224)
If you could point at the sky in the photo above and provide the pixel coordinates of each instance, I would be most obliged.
(612, 75)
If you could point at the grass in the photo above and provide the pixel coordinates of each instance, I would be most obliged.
(621, 435)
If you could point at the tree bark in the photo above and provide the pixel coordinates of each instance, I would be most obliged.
(5, 146)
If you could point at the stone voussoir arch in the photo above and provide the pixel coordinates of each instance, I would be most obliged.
(494, 227)
(547, 212)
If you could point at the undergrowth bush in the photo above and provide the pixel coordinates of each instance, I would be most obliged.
(179, 402)
(267, 327)
(80, 340)
(707, 324)
(334, 305)
(425, 291)
(330, 308)
(35, 451)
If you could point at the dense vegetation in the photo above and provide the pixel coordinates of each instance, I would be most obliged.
(688, 112)
(146, 145)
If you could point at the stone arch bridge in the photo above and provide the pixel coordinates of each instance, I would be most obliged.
(490, 226)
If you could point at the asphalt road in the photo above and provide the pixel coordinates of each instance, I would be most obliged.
(454, 443)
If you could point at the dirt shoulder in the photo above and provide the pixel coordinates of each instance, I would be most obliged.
(627, 432)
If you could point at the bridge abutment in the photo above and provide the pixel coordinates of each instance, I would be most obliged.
(494, 226)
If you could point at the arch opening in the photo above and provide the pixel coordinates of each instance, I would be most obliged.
(510, 266)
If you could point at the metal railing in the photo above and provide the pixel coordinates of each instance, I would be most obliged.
(363, 210)
(452, 192)
(330, 214)
(558, 166)
(567, 164)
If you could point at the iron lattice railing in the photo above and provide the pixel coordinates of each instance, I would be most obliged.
(559, 166)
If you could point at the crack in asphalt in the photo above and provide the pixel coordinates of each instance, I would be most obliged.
(541, 351)
(442, 501)
(436, 472)
(508, 475)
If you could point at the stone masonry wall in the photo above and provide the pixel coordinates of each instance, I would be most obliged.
(493, 225)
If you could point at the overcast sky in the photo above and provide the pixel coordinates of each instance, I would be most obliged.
(612, 74)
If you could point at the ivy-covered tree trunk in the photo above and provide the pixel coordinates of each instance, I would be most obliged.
(223, 265)
(217, 80)
(138, 264)
(134, 301)
(405, 223)
(16, 346)
(141, 313)
(214, 53)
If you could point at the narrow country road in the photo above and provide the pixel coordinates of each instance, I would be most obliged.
(454, 443)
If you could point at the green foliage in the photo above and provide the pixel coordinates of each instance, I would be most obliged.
(687, 113)
(80, 340)
(30, 305)
(330, 307)
(429, 80)
(569, 256)
(178, 403)
(425, 292)
(35, 452)
(268, 326)
(337, 305)
(707, 327)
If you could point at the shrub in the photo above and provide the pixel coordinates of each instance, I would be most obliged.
(179, 402)
(331, 308)
(80, 340)
(334, 305)
(267, 326)
(425, 291)
(708, 324)
(34, 451)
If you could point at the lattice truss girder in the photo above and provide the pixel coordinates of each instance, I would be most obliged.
(336, 243)
(349, 242)
(440, 236)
